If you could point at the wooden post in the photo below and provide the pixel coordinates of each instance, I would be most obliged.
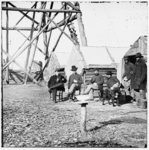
(7, 44)
(81, 28)
(83, 117)
(32, 59)
(28, 53)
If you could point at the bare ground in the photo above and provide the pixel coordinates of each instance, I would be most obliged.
(31, 119)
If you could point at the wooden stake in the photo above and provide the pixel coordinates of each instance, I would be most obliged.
(83, 117)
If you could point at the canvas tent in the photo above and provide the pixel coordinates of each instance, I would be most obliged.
(140, 45)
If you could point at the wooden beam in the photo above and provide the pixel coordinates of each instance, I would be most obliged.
(29, 49)
(48, 58)
(81, 27)
(39, 10)
(72, 6)
(7, 44)
(61, 33)
(61, 30)
(61, 23)
(24, 16)
(29, 43)
(43, 5)
(20, 28)
(22, 13)
(20, 67)
(27, 38)
(11, 76)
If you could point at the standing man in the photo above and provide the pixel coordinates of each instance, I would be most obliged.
(128, 74)
(96, 83)
(56, 83)
(74, 83)
(139, 81)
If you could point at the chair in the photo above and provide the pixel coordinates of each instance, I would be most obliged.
(59, 95)
(96, 93)
(77, 90)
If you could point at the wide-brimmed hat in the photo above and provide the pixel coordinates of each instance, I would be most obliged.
(109, 73)
(74, 68)
(138, 55)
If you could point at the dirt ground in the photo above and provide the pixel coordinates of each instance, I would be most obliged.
(31, 119)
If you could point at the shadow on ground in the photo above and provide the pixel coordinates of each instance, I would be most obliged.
(130, 120)
(89, 144)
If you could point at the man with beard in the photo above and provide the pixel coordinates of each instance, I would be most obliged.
(139, 80)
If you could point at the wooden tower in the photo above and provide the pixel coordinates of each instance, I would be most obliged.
(70, 10)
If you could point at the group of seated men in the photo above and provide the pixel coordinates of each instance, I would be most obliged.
(75, 81)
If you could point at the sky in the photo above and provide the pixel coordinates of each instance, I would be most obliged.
(106, 24)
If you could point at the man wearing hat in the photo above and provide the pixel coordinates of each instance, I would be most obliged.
(56, 83)
(129, 69)
(139, 81)
(74, 83)
(113, 85)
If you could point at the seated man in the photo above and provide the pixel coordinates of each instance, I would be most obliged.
(56, 83)
(96, 83)
(112, 91)
(74, 83)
